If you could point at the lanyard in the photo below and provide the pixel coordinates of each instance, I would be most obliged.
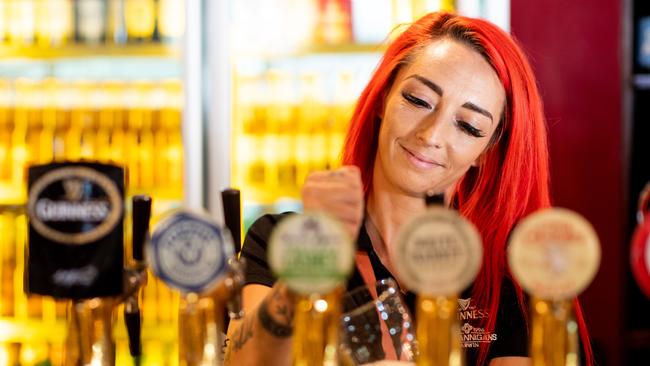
(365, 268)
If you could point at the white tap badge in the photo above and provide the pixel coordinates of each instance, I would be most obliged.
(438, 253)
(311, 252)
(554, 254)
(76, 234)
(189, 251)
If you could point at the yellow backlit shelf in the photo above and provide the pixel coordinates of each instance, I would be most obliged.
(343, 48)
(90, 51)
(24, 331)
(12, 196)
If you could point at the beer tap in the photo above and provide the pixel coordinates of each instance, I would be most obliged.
(192, 254)
(639, 260)
(234, 282)
(76, 249)
(313, 255)
(438, 254)
(136, 276)
(554, 254)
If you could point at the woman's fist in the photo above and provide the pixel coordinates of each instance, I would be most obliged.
(337, 192)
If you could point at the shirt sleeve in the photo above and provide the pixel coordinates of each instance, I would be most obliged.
(255, 248)
(511, 326)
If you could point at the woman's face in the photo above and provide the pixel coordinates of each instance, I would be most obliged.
(438, 118)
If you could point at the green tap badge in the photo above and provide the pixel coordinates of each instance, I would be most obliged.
(311, 252)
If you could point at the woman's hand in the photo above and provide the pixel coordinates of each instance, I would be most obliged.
(337, 192)
(263, 336)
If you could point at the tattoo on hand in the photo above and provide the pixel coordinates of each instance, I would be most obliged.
(273, 326)
(242, 334)
(282, 310)
(226, 350)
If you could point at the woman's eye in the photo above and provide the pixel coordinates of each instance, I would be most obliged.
(415, 100)
(469, 129)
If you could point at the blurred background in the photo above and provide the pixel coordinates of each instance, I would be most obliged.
(193, 96)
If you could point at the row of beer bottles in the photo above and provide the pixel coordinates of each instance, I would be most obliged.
(286, 125)
(134, 124)
(52, 23)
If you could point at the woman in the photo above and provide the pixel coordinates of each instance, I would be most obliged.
(453, 107)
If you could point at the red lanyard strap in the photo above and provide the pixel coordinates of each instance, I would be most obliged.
(365, 269)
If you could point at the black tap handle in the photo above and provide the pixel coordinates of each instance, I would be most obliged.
(232, 215)
(434, 199)
(140, 219)
(133, 326)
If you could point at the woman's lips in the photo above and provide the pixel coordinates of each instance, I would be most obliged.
(419, 160)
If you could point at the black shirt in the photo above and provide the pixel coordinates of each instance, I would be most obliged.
(510, 336)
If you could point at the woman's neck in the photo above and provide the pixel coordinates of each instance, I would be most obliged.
(387, 211)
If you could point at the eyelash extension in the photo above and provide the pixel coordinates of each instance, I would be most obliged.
(415, 100)
(466, 127)
(469, 129)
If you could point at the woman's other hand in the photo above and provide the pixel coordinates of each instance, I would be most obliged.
(337, 192)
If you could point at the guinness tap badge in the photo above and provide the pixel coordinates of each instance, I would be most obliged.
(75, 229)
(189, 252)
(74, 205)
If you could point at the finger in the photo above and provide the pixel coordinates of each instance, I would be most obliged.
(352, 170)
(346, 173)
(342, 211)
(318, 175)
(331, 192)
(350, 185)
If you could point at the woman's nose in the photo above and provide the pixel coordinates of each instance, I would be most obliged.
(433, 131)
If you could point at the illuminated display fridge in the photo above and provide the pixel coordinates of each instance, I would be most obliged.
(86, 80)
(191, 97)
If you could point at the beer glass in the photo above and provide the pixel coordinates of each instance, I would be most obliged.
(376, 328)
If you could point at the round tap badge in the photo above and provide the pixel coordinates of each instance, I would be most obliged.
(311, 252)
(189, 252)
(438, 253)
(554, 254)
(640, 255)
(73, 204)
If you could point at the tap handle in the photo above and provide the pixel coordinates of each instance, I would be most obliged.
(434, 199)
(232, 215)
(235, 284)
(140, 219)
(133, 321)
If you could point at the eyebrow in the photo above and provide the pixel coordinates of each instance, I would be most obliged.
(430, 84)
(438, 90)
(477, 109)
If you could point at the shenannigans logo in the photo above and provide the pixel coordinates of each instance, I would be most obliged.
(73, 216)
(472, 336)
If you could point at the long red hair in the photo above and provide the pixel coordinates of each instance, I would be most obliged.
(512, 179)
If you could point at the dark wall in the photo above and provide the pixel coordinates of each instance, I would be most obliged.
(575, 49)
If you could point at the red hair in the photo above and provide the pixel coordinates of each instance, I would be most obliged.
(512, 180)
